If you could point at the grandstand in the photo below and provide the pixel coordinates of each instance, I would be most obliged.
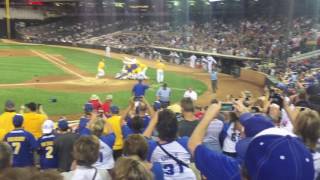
(159, 89)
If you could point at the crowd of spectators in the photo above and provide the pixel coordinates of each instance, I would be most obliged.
(274, 136)
(258, 38)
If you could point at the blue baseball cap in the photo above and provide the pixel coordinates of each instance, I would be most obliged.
(63, 124)
(277, 154)
(88, 107)
(253, 124)
(114, 109)
(156, 105)
(17, 120)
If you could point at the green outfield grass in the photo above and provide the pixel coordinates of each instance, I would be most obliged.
(20, 69)
(71, 103)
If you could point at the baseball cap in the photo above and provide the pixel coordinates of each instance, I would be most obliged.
(156, 105)
(9, 105)
(63, 124)
(176, 108)
(109, 97)
(94, 97)
(18, 120)
(114, 109)
(47, 127)
(253, 124)
(88, 107)
(276, 154)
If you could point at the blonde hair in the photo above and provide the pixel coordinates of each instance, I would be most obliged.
(137, 145)
(131, 169)
(86, 150)
(308, 127)
(97, 127)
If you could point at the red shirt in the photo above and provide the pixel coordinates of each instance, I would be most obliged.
(199, 115)
(106, 107)
(96, 104)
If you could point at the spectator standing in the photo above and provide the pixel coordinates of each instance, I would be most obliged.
(283, 155)
(32, 120)
(136, 147)
(5, 156)
(86, 153)
(131, 168)
(48, 155)
(163, 95)
(138, 118)
(231, 135)
(160, 71)
(190, 93)
(169, 150)
(105, 161)
(189, 121)
(22, 143)
(63, 145)
(214, 80)
(95, 101)
(307, 127)
(116, 123)
(6, 117)
(107, 104)
(139, 89)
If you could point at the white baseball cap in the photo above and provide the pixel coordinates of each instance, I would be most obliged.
(47, 127)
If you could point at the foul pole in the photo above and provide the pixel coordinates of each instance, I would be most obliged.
(8, 19)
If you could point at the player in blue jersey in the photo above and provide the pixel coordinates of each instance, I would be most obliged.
(22, 143)
(171, 152)
(48, 156)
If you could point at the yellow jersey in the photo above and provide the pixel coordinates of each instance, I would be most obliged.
(6, 123)
(160, 66)
(33, 123)
(116, 123)
(101, 65)
(142, 66)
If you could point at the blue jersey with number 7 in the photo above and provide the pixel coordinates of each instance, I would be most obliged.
(48, 156)
(23, 145)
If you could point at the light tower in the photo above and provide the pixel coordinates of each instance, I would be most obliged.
(8, 19)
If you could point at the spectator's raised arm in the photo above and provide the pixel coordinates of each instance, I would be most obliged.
(152, 125)
(198, 134)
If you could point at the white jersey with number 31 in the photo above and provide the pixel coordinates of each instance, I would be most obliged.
(171, 169)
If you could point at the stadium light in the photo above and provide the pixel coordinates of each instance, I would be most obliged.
(214, 0)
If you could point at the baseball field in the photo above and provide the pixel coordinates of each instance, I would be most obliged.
(41, 73)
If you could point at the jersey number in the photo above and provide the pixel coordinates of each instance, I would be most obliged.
(49, 150)
(16, 146)
(169, 169)
(100, 157)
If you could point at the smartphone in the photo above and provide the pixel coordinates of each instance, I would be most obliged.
(227, 107)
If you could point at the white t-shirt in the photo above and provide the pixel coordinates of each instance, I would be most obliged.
(85, 173)
(316, 161)
(229, 143)
(191, 94)
(105, 160)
